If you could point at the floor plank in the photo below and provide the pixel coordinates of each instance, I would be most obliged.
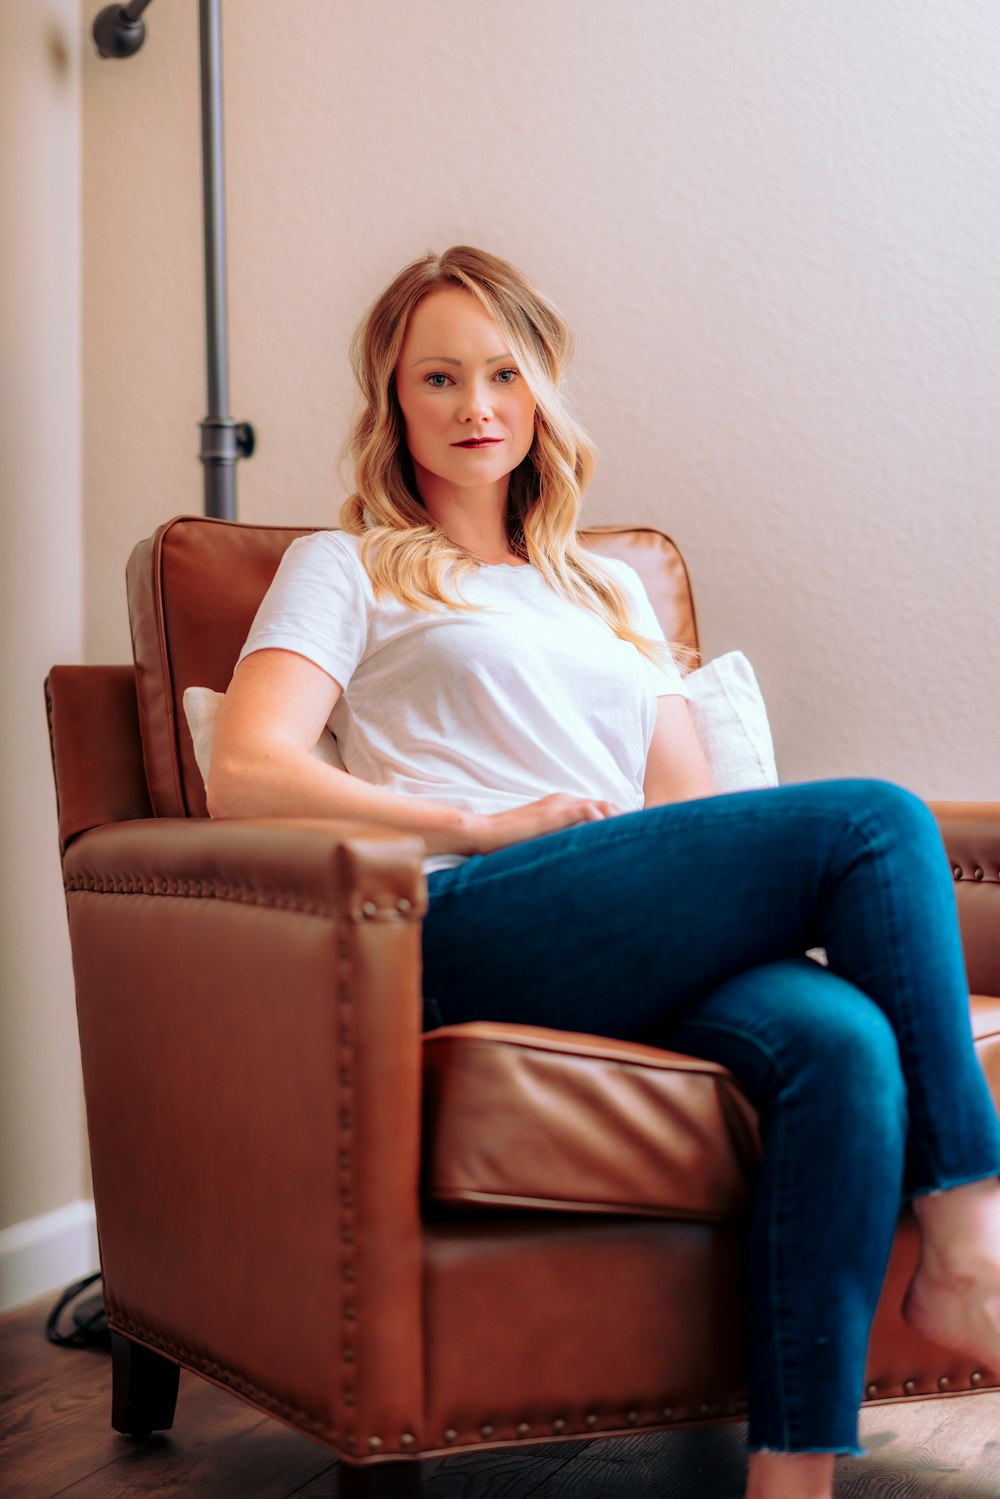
(267, 1460)
(56, 1440)
(706, 1462)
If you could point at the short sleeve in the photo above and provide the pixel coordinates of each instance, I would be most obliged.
(316, 606)
(666, 672)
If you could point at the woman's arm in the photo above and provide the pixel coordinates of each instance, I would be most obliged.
(262, 766)
(276, 707)
(676, 768)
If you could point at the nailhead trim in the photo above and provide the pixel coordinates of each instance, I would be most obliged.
(943, 1384)
(978, 873)
(560, 1426)
(345, 1163)
(189, 1357)
(243, 895)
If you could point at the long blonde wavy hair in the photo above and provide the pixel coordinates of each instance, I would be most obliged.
(403, 552)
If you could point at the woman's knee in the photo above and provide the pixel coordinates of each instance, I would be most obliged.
(851, 1042)
(816, 1029)
(893, 808)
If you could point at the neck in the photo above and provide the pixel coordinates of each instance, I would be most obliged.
(473, 519)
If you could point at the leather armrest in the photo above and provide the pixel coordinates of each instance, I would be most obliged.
(249, 1002)
(339, 867)
(96, 749)
(971, 834)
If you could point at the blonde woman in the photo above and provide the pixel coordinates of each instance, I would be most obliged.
(509, 697)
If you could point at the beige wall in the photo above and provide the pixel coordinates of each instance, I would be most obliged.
(774, 229)
(41, 1110)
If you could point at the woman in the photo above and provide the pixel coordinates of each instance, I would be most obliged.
(509, 697)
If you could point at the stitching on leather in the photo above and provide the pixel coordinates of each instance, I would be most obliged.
(688, 1067)
(178, 889)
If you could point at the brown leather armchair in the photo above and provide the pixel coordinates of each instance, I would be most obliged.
(401, 1243)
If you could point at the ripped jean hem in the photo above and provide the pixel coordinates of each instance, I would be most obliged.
(949, 1186)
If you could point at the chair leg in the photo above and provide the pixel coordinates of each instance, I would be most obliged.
(379, 1481)
(143, 1388)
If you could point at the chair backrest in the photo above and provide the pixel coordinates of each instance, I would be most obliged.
(195, 585)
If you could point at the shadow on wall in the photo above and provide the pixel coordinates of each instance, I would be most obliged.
(57, 51)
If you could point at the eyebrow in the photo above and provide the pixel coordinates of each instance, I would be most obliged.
(443, 359)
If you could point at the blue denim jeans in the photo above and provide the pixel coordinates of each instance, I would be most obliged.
(686, 926)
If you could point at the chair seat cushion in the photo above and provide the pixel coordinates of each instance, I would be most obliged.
(524, 1116)
(520, 1116)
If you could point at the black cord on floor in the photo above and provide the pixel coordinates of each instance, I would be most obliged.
(91, 1329)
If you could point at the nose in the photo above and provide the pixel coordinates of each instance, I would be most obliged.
(476, 404)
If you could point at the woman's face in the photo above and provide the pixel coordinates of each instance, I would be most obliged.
(457, 381)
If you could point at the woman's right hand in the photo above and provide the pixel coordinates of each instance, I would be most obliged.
(494, 830)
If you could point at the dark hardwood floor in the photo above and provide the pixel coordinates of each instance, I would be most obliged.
(55, 1439)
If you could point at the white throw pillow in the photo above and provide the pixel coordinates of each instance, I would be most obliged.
(201, 709)
(731, 722)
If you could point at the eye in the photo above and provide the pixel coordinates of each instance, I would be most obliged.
(432, 379)
(513, 373)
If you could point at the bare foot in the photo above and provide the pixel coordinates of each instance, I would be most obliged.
(954, 1298)
(959, 1311)
(790, 1475)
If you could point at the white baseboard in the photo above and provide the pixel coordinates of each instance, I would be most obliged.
(47, 1253)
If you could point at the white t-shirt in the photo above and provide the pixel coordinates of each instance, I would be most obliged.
(485, 711)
